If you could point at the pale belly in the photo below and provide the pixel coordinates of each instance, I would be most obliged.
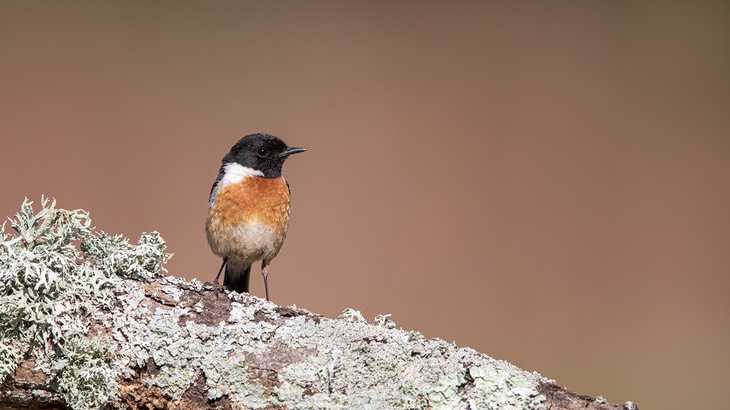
(244, 243)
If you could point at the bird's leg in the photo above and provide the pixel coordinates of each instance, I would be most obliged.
(220, 270)
(265, 273)
(216, 284)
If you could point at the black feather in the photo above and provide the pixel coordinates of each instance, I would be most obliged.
(240, 284)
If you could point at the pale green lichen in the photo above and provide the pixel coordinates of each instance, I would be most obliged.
(42, 285)
(503, 389)
(114, 254)
(180, 351)
(55, 273)
(86, 374)
(50, 287)
(445, 394)
(379, 368)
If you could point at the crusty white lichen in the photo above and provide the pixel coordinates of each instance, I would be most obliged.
(257, 357)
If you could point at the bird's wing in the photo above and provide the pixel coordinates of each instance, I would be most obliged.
(215, 185)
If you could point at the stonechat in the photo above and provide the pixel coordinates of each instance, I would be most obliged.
(248, 209)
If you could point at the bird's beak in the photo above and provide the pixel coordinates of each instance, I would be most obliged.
(290, 151)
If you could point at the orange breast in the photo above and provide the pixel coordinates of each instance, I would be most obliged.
(265, 200)
(248, 219)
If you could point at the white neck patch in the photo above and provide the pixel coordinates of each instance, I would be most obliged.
(233, 173)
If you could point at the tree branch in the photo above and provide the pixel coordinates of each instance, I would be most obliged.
(109, 331)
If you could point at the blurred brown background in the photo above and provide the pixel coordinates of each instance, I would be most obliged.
(548, 184)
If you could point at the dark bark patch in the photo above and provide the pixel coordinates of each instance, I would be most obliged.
(376, 339)
(205, 307)
(560, 398)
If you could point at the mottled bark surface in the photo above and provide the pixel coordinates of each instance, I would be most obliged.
(173, 344)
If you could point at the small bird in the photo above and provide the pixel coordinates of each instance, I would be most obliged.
(248, 210)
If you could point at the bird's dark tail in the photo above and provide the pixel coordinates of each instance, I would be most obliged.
(237, 277)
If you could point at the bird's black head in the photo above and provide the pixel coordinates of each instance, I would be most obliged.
(261, 152)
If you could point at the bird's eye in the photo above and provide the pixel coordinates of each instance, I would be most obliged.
(262, 152)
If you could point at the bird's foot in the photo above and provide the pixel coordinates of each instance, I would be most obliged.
(217, 288)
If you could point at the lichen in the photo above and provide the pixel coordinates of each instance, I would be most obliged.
(86, 374)
(114, 254)
(498, 388)
(55, 274)
(60, 280)
(445, 394)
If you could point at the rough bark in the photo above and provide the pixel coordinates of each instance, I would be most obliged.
(179, 345)
(89, 321)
